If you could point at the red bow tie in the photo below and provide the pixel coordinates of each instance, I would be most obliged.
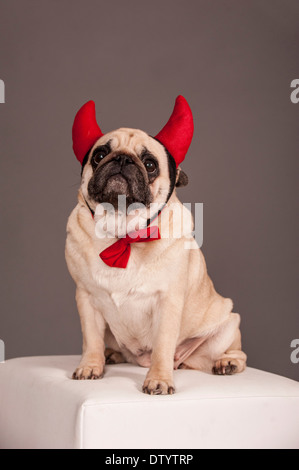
(117, 255)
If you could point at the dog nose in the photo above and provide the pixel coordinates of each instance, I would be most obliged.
(123, 159)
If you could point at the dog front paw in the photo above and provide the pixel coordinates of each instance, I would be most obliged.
(158, 387)
(89, 369)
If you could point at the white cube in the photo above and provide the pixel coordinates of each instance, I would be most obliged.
(41, 407)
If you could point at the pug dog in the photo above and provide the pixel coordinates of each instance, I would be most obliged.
(143, 292)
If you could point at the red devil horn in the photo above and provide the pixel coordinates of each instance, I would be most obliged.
(177, 134)
(85, 130)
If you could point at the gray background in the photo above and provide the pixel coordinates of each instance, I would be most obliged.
(234, 62)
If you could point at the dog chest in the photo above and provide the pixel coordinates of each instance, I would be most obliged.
(132, 319)
(130, 311)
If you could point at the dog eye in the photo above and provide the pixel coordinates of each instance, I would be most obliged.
(98, 157)
(150, 165)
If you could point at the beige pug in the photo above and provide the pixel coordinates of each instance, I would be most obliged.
(161, 311)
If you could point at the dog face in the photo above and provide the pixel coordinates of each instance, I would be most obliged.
(130, 163)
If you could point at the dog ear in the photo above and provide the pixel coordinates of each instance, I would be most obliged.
(181, 178)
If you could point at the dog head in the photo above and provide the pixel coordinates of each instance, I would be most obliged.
(129, 162)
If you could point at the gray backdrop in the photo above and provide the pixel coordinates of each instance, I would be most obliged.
(234, 61)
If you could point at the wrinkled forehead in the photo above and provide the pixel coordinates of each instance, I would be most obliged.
(133, 140)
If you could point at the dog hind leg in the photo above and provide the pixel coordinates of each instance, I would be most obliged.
(233, 361)
(113, 354)
(221, 353)
(114, 357)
